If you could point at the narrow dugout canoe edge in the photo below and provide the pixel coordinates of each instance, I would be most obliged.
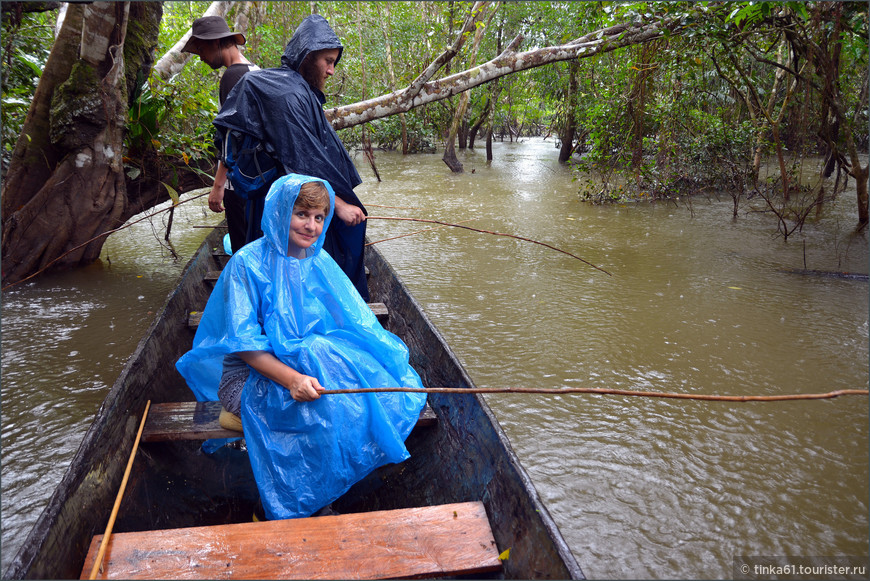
(464, 457)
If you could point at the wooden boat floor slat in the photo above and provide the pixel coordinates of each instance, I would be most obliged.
(434, 541)
(198, 420)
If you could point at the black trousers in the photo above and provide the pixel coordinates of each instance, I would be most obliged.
(234, 206)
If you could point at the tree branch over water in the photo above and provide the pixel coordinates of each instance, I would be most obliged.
(508, 62)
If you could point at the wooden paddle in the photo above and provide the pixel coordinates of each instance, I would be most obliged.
(104, 543)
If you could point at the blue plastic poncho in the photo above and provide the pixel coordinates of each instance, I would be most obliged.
(308, 314)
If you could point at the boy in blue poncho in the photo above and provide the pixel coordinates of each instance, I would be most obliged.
(283, 325)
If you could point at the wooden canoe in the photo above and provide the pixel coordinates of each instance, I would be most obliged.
(464, 458)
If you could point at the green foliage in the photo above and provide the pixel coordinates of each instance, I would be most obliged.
(143, 122)
(700, 114)
(387, 133)
(753, 13)
(186, 115)
(176, 117)
(24, 52)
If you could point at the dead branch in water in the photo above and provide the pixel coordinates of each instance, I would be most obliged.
(494, 234)
(417, 232)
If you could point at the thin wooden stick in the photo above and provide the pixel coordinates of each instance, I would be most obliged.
(104, 543)
(493, 233)
(603, 391)
(393, 207)
(417, 232)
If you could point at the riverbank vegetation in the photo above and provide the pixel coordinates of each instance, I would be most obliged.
(647, 100)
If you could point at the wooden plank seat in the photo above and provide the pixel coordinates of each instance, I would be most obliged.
(379, 309)
(434, 541)
(198, 420)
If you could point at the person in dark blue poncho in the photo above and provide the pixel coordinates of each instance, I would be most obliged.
(284, 107)
(283, 325)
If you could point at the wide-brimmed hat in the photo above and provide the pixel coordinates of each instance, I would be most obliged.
(210, 28)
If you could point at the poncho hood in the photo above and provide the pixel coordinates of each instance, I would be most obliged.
(278, 209)
(314, 33)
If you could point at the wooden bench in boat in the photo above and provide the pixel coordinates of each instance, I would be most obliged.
(198, 420)
(433, 541)
(379, 309)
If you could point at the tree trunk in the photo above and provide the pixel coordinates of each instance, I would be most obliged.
(765, 123)
(34, 156)
(462, 135)
(476, 125)
(861, 174)
(450, 158)
(637, 103)
(78, 190)
(389, 46)
(569, 126)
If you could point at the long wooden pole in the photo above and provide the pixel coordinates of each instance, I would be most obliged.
(603, 391)
(104, 543)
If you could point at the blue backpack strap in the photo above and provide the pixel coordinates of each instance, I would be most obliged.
(251, 165)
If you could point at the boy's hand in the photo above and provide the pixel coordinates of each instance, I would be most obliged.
(216, 198)
(348, 213)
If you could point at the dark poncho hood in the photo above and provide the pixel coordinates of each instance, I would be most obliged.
(312, 34)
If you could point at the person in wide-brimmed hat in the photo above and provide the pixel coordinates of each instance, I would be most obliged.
(205, 31)
(218, 46)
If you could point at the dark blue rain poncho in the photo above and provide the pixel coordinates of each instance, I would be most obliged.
(307, 313)
(280, 107)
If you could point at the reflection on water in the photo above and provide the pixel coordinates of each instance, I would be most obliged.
(696, 303)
